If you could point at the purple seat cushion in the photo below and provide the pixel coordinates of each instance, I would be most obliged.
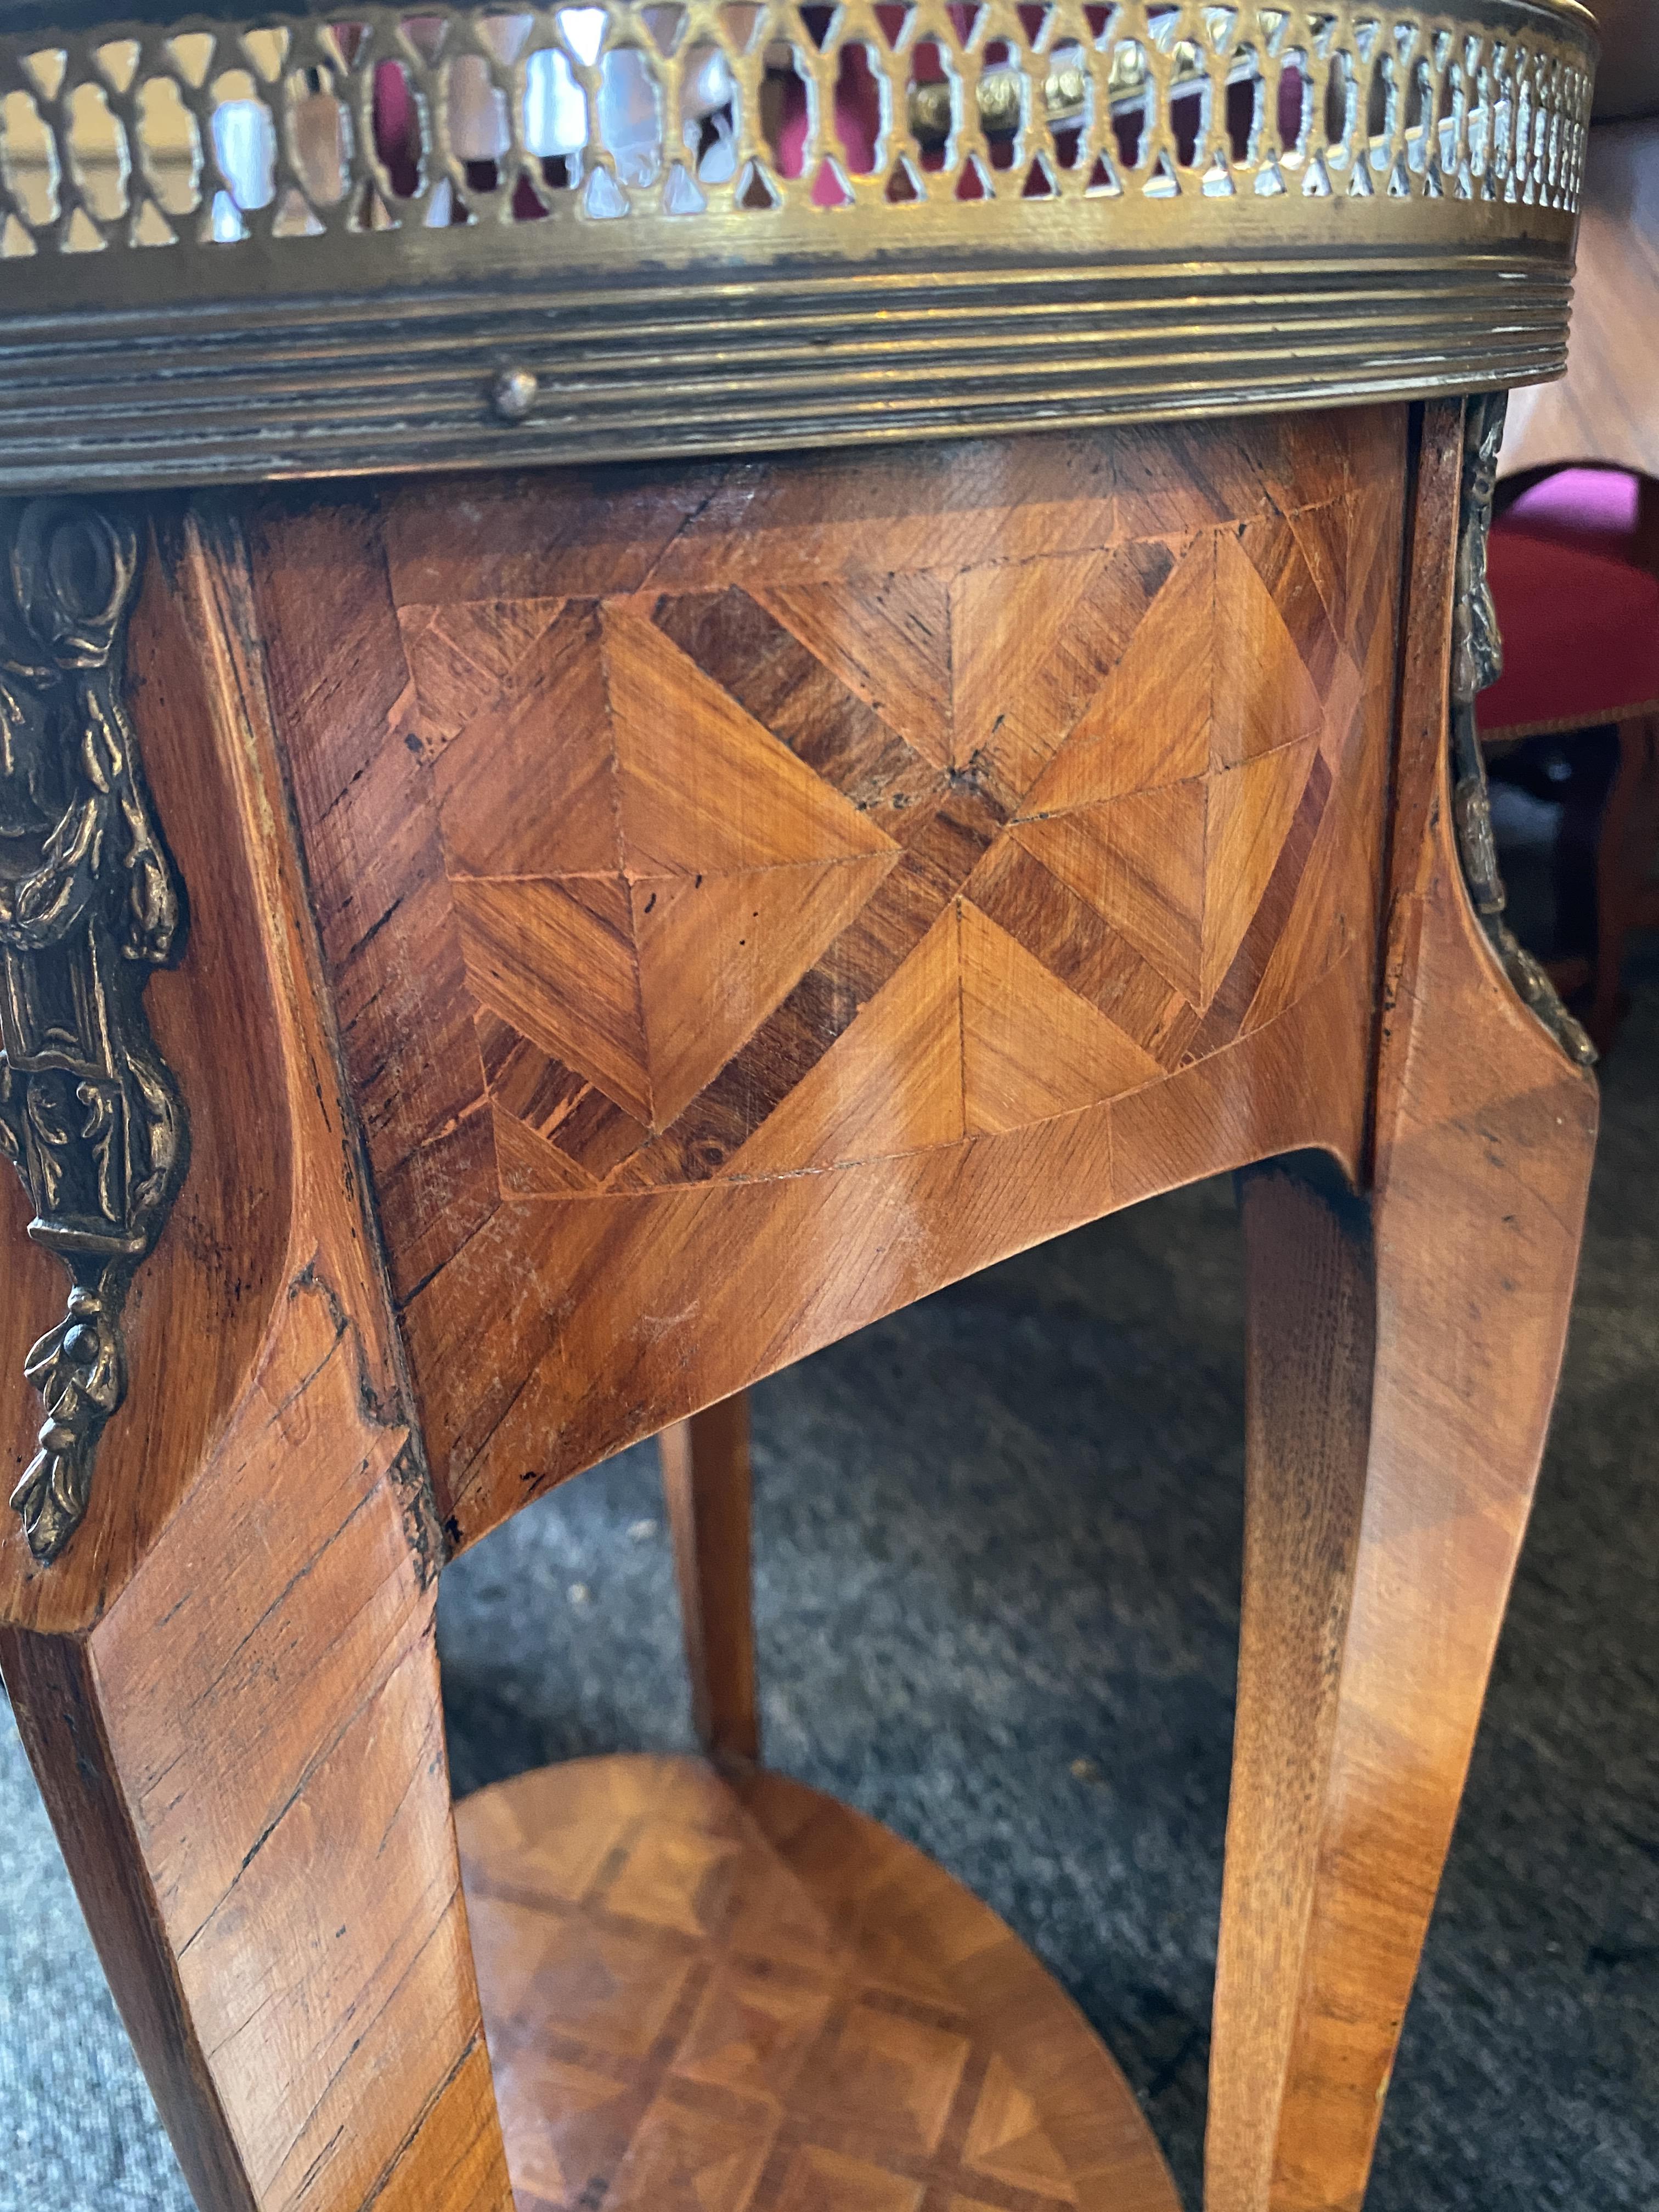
(1592, 508)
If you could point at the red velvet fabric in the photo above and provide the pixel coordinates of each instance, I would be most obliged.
(1581, 634)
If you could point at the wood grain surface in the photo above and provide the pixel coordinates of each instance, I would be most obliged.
(756, 896)
(714, 1995)
(706, 1488)
(1403, 1351)
(228, 1686)
(718, 906)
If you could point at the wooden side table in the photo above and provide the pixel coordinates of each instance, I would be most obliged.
(638, 725)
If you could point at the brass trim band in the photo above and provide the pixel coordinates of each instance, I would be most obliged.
(280, 244)
(139, 399)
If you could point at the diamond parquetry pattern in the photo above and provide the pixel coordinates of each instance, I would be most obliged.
(810, 874)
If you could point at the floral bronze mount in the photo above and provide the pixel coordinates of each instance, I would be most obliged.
(90, 902)
(1477, 659)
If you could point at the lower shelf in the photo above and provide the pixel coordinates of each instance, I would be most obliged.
(743, 1996)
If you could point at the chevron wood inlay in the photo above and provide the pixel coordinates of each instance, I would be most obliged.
(730, 851)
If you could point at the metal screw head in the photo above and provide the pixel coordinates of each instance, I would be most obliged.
(513, 394)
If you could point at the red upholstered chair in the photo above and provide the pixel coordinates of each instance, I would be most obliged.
(1578, 608)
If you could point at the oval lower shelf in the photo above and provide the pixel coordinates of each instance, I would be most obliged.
(715, 1995)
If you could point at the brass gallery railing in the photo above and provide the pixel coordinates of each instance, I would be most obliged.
(497, 233)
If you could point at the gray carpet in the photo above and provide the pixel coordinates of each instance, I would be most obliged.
(998, 1546)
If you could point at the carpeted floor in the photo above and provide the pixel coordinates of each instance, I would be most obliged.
(998, 1549)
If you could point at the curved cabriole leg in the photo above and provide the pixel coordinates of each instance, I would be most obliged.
(1403, 1351)
(225, 1675)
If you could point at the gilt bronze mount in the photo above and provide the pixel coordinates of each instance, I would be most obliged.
(1477, 659)
(90, 1116)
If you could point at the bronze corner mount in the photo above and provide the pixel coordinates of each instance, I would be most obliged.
(90, 901)
(1477, 659)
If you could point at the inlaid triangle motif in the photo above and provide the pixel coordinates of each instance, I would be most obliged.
(612, 1992)
(1008, 623)
(544, 2105)
(527, 787)
(1263, 695)
(776, 1916)
(704, 787)
(1007, 2139)
(1280, 558)
(900, 2072)
(459, 656)
(889, 642)
(665, 1879)
(1032, 642)
(553, 1864)
(1139, 862)
(726, 2182)
(528, 1166)
(891, 1082)
(685, 2161)
(830, 2181)
(718, 952)
(753, 2029)
(1325, 534)
(555, 960)
(1030, 1048)
(1149, 722)
(889, 1962)
(1250, 811)
(511, 1950)
(535, 2163)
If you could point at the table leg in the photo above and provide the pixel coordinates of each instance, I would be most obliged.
(1403, 1347)
(245, 1767)
(225, 1674)
(706, 1482)
(1402, 1353)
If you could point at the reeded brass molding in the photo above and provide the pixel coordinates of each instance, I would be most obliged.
(265, 244)
(90, 1116)
(1477, 660)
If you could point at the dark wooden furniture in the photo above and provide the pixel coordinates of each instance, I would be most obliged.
(650, 916)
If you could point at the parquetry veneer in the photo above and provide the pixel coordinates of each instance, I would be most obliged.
(649, 916)
(645, 925)
(770, 864)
